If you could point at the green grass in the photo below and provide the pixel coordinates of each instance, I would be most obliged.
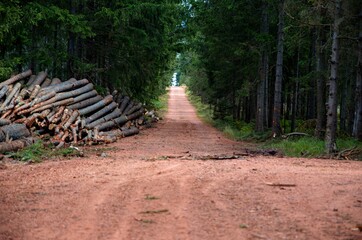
(160, 105)
(39, 151)
(312, 147)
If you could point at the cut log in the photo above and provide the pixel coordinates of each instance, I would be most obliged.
(85, 103)
(38, 80)
(46, 83)
(108, 99)
(135, 108)
(16, 145)
(130, 132)
(124, 104)
(58, 103)
(31, 80)
(117, 122)
(21, 110)
(4, 122)
(66, 86)
(16, 78)
(136, 115)
(129, 106)
(57, 116)
(118, 99)
(75, 93)
(116, 113)
(10, 96)
(71, 120)
(13, 131)
(43, 98)
(55, 81)
(75, 136)
(3, 91)
(35, 92)
(101, 112)
(116, 133)
(85, 96)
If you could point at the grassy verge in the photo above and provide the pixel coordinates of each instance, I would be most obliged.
(39, 151)
(313, 147)
(236, 130)
(161, 105)
(293, 147)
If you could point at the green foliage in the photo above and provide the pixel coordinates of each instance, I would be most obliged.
(129, 44)
(39, 151)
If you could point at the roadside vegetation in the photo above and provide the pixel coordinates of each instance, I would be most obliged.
(294, 146)
(39, 151)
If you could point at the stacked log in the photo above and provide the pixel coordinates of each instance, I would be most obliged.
(69, 111)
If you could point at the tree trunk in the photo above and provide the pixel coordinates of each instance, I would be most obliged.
(263, 74)
(357, 126)
(321, 89)
(277, 108)
(331, 129)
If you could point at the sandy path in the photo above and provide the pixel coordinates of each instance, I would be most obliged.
(142, 190)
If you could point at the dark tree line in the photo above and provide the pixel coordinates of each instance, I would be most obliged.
(284, 65)
(129, 44)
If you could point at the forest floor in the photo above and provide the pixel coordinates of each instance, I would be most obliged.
(168, 183)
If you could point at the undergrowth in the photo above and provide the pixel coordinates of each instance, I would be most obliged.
(40, 151)
(306, 146)
(313, 147)
(236, 130)
(160, 104)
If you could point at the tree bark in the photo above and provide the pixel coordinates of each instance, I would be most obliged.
(321, 100)
(67, 86)
(13, 131)
(38, 80)
(357, 125)
(276, 128)
(16, 78)
(3, 91)
(124, 103)
(331, 128)
(101, 112)
(116, 113)
(108, 99)
(263, 73)
(85, 103)
(10, 96)
(85, 96)
(112, 123)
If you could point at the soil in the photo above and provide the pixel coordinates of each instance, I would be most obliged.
(171, 182)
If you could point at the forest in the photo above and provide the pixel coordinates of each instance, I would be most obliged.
(281, 65)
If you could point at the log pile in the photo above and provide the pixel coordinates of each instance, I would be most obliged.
(69, 111)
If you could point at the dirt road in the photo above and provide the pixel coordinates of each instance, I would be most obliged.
(153, 186)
